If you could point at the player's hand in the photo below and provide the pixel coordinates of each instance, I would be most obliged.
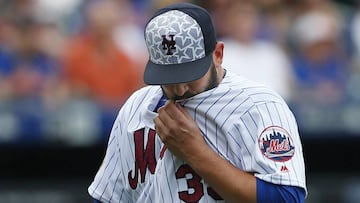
(178, 131)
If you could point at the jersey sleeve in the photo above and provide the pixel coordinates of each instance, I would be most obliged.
(106, 183)
(270, 144)
(268, 193)
(111, 182)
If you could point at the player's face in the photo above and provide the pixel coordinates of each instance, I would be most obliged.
(187, 90)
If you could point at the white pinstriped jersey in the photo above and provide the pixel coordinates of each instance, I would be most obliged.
(244, 122)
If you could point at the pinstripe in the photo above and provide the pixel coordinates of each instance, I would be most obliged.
(231, 119)
(137, 103)
(107, 165)
(273, 123)
(291, 131)
(222, 124)
(206, 119)
(237, 143)
(137, 107)
(199, 104)
(167, 181)
(123, 175)
(279, 116)
(114, 186)
(264, 126)
(146, 192)
(287, 127)
(209, 141)
(254, 139)
(246, 124)
(251, 117)
(270, 114)
(122, 190)
(131, 159)
(237, 155)
(261, 90)
(213, 104)
(249, 152)
(112, 171)
(262, 120)
(281, 124)
(217, 137)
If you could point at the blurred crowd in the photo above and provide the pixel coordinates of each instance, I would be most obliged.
(66, 66)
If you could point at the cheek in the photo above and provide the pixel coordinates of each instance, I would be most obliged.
(201, 84)
(197, 87)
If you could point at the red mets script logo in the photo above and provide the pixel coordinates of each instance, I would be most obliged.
(276, 144)
(145, 160)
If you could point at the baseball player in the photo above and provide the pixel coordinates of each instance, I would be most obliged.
(199, 133)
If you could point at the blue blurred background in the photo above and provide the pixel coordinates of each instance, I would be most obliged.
(67, 66)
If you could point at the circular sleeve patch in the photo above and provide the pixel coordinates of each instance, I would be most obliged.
(276, 144)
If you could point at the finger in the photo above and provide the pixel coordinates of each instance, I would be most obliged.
(183, 110)
(160, 128)
(172, 109)
(164, 114)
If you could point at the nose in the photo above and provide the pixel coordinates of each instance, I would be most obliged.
(180, 89)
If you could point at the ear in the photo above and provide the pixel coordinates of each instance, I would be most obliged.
(218, 54)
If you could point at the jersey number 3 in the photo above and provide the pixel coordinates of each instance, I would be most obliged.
(195, 184)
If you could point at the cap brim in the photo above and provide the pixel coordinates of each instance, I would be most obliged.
(158, 74)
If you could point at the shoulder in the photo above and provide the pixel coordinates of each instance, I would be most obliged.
(143, 94)
(138, 100)
(255, 91)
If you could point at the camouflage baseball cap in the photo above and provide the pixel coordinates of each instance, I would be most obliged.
(180, 39)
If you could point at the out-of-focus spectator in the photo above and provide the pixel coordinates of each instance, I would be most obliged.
(275, 21)
(36, 69)
(8, 38)
(95, 66)
(129, 35)
(319, 59)
(355, 32)
(29, 71)
(260, 60)
(55, 11)
(302, 7)
(354, 41)
(218, 10)
(29, 53)
(156, 4)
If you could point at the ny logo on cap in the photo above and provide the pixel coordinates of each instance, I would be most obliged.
(168, 44)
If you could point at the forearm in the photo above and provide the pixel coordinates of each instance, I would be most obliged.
(231, 183)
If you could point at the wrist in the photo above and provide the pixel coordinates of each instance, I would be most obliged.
(202, 158)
